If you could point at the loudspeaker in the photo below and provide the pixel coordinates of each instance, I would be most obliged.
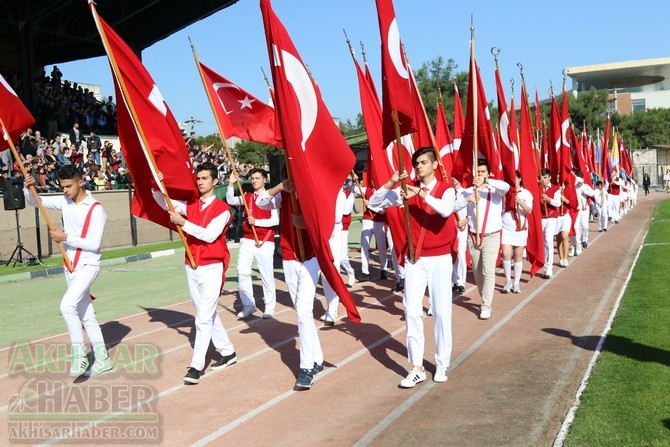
(12, 192)
(276, 163)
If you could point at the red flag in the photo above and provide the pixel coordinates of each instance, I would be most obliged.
(580, 157)
(443, 138)
(459, 121)
(626, 163)
(13, 113)
(422, 136)
(146, 128)
(396, 88)
(509, 151)
(317, 154)
(565, 155)
(605, 165)
(554, 142)
(379, 164)
(477, 134)
(538, 112)
(239, 113)
(529, 176)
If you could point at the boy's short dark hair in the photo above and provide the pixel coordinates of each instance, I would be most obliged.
(69, 172)
(544, 172)
(262, 171)
(424, 151)
(207, 166)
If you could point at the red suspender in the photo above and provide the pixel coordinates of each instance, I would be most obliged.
(84, 231)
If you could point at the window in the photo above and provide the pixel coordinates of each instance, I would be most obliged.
(639, 105)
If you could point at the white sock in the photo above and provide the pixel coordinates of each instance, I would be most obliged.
(507, 266)
(518, 268)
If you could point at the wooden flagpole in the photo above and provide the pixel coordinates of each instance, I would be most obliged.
(223, 140)
(475, 136)
(140, 131)
(403, 185)
(33, 191)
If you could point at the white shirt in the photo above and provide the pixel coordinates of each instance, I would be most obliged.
(491, 196)
(509, 221)
(444, 206)
(207, 234)
(74, 216)
(234, 200)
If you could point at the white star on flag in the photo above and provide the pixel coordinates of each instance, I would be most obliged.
(246, 102)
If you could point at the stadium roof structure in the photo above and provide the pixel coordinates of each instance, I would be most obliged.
(44, 32)
(639, 75)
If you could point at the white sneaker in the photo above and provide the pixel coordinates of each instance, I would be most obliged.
(516, 288)
(578, 251)
(507, 287)
(246, 311)
(100, 366)
(352, 281)
(415, 376)
(79, 365)
(571, 252)
(440, 374)
(485, 313)
(548, 274)
(269, 312)
(565, 263)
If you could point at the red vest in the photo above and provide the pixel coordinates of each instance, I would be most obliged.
(614, 189)
(369, 214)
(264, 233)
(346, 219)
(290, 249)
(440, 233)
(548, 210)
(203, 252)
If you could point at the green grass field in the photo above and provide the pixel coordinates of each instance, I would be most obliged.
(626, 402)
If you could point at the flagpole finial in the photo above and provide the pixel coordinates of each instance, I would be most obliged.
(365, 59)
(351, 49)
(472, 26)
(518, 64)
(495, 51)
(551, 88)
(267, 81)
(512, 82)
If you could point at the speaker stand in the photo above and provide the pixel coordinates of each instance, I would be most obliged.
(17, 254)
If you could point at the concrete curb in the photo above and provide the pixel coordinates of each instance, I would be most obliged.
(105, 262)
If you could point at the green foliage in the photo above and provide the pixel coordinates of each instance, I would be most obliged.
(646, 129)
(590, 108)
(254, 153)
(434, 76)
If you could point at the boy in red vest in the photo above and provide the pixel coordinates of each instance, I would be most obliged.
(205, 222)
(263, 222)
(431, 203)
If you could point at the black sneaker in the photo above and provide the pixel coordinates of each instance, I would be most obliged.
(461, 289)
(318, 369)
(585, 245)
(400, 286)
(192, 377)
(454, 289)
(384, 275)
(224, 361)
(364, 277)
(305, 379)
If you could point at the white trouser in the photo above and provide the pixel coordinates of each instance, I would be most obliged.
(301, 279)
(602, 217)
(344, 261)
(370, 228)
(615, 206)
(460, 264)
(204, 286)
(77, 309)
(332, 300)
(398, 269)
(582, 226)
(548, 233)
(264, 256)
(428, 271)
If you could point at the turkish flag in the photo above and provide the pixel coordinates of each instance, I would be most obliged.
(147, 129)
(443, 139)
(318, 157)
(459, 121)
(13, 113)
(565, 163)
(240, 114)
(554, 142)
(529, 176)
(477, 136)
(380, 167)
(509, 150)
(396, 88)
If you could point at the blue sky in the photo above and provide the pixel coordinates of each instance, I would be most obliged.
(545, 37)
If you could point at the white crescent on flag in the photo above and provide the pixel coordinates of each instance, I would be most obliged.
(156, 98)
(216, 86)
(297, 76)
(7, 86)
(395, 47)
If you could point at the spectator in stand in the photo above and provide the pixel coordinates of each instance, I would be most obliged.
(51, 178)
(122, 179)
(63, 157)
(75, 135)
(49, 157)
(94, 146)
(76, 156)
(28, 144)
(106, 154)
